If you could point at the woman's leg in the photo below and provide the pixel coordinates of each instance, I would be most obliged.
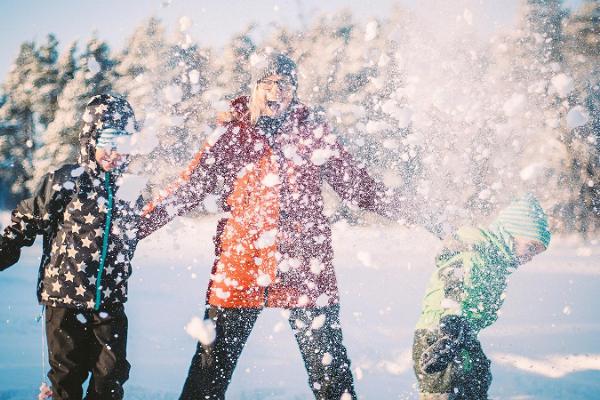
(319, 336)
(213, 365)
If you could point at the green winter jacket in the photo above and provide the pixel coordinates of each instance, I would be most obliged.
(470, 278)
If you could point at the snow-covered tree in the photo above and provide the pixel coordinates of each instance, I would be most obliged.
(61, 140)
(582, 59)
(17, 117)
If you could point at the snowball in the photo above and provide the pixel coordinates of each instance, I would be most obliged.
(327, 359)
(291, 153)
(318, 322)
(303, 300)
(288, 263)
(77, 172)
(515, 105)
(374, 127)
(468, 16)
(124, 144)
(576, 117)
(81, 318)
(202, 330)
(263, 279)
(485, 194)
(531, 171)
(173, 94)
(69, 185)
(567, 310)
(131, 186)
(143, 142)
(270, 180)
(320, 156)
(359, 373)
(316, 266)
(215, 135)
(194, 76)
(266, 239)
(185, 23)
(93, 65)
(212, 203)
(371, 31)
(563, 84)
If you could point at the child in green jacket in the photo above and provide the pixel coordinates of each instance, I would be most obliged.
(464, 295)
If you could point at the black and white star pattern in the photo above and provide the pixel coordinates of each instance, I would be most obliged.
(70, 209)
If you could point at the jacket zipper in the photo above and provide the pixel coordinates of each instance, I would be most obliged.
(104, 240)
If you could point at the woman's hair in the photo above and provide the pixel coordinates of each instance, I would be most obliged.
(253, 105)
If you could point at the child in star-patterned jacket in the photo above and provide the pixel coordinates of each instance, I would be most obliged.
(90, 236)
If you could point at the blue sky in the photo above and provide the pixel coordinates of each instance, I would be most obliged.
(214, 21)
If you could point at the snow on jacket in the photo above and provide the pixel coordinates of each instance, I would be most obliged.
(89, 234)
(274, 248)
(470, 278)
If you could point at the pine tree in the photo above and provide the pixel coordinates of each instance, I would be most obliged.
(17, 124)
(582, 55)
(61, 139)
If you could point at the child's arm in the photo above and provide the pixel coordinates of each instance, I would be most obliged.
(30, 218)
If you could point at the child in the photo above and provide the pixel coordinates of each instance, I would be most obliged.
(89, 240)
(464, 295)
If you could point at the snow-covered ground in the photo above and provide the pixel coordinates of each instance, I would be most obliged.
(545, 345)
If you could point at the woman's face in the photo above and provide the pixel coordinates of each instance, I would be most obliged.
(274, 95)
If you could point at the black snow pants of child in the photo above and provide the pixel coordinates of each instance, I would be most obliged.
(83, 341)
(467, 377)
(319, 336)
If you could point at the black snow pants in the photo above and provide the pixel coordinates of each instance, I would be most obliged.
(467, 377)
(319, 337)
(82, 342)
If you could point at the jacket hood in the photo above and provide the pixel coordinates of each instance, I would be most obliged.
(103, 111)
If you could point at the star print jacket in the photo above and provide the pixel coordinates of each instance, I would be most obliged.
(89, 235)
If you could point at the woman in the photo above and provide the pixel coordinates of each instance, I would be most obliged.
(274, 248)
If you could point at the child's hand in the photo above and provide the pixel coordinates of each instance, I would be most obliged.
(436, 357)
(45, 392)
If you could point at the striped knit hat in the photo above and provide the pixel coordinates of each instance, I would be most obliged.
(108, 137)
(524, 217)
(265, 65)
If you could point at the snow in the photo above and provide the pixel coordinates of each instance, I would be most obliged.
(320, 156)
(131, 186)
(202, 330)
(576, 117)
(532, 171)
(173, 94)
(185, 23)
(515, 105)
(537, 350)
(562, 84)
(371, 31)
(552, 366)
(93, 65)
(270, 180)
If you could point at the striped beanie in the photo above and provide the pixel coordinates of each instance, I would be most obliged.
(108, 137)
(265, 65)
(524, 217)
